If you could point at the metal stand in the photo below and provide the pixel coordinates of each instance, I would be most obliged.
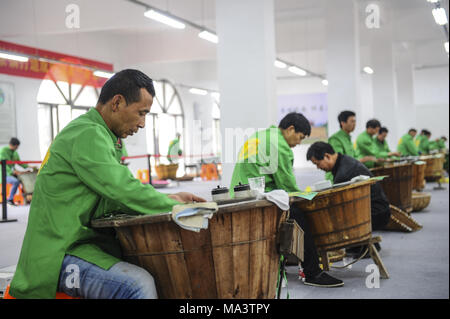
(4, 203)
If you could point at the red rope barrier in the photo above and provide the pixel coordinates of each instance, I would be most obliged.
(23, 162)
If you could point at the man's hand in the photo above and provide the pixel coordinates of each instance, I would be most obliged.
(380, 160)
(394, 154)
(184, 197)
(368, 158)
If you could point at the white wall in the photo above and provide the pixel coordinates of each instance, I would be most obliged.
(431, 87)
(26, 91)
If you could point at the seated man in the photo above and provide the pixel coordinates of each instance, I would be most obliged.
(423, 142)
(406, 145)
(9, 153)
(382, 147)
(277, 168)
(344, 168)
(81, 179)
(365, 144)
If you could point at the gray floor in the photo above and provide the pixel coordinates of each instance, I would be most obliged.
(418, 263)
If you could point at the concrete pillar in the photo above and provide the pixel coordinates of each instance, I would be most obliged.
(342, 62)
(246, 53)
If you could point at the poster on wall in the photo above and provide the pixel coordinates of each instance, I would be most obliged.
(313, 106)
(7, 113)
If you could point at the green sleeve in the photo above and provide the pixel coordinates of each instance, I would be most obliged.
(16, 157)
(94, 162)
(365, 146)
(336, 144)
(284, 175)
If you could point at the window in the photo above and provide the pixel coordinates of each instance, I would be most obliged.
(166, 118)
(59, 103)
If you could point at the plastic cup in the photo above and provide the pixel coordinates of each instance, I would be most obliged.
(257, 184)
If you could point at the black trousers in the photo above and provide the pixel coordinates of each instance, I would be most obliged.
(311, 263)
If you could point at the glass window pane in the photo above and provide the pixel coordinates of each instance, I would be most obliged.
(75, 88)
(55, 121)
(169, 92)
(64, 116)
(166, 133)
(64, 86)
(159, 94)
(88, 97)
(77, 112)
(48, 93)
(149, 127)
(175, 107)
(156, 107)
(45, 128)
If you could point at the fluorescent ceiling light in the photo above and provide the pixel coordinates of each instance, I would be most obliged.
(280, 64)
(433, 1)
(368, 70)
(440, 16)
(297, 70)
(152, 14)
(103, 74)
(208, 36)
(446, 46)
(198, 91)
(14, 57)
(325, 82)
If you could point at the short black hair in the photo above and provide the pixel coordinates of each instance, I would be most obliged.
(412, 130)
(373, 123)
(443, 138)
(128, 83)
(318, 150)
(300, 123)
(382, 130)
(14, 141)
(344, 115)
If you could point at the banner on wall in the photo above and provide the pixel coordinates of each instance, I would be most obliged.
(313, 106)
(7, 112)
(39, 69)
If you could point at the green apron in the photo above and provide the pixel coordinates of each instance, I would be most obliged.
(365, 146)
(80, 179)
(8, 154)
(406, 146)
(266, 153)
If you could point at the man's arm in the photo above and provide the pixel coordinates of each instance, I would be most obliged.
(94, 162)
(411, 147)
(284, 175)
(336, 144)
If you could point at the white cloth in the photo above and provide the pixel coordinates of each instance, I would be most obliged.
(194, 217)
(359, 178)
(279, 197)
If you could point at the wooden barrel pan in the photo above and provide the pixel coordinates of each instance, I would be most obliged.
(420, 201)
(419, 176)
(339, 217)
(398, 185)
(236, 257)
(435, 166)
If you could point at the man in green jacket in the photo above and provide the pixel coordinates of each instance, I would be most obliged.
(406, 145)
(269, 153)
(438, 144)
(174, 149)
(81, 179)
(381, 145)
(365, 143)
(423, 142)
(341, 141)
(9, 153)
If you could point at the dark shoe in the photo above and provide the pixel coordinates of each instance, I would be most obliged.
(11, 202)
(323, 280)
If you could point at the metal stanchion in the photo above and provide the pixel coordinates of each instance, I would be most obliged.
(149, 169)
(4, 203)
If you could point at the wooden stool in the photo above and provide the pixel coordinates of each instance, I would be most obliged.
(372, 251)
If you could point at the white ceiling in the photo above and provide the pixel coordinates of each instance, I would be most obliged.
(300, 29)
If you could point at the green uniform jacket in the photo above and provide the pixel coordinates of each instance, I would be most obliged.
(406, 146)
(382, 149)
(342, 143)
(365, 146)
(423, 144)
(174, 150)
(8, 154)
(437, 145)
(266, 153)
(80, 179)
